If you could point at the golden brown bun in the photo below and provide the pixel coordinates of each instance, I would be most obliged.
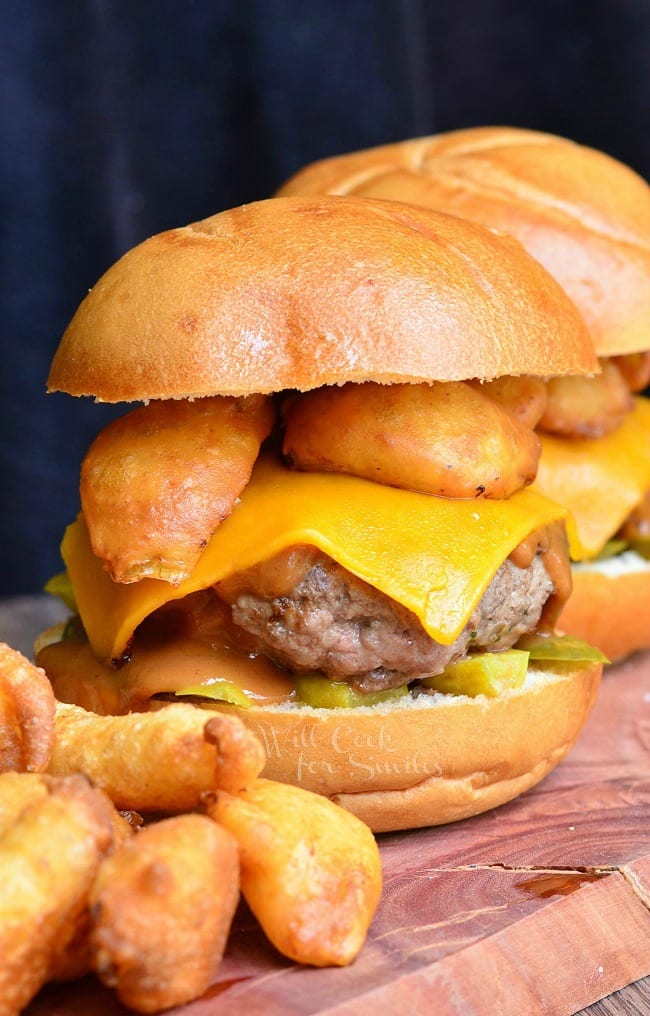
(303, 292)
(401, 768)
(611, 612)
(582, 214)
(413, 762)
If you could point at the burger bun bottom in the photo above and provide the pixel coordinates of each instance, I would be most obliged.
(431, 759)
(418, 760)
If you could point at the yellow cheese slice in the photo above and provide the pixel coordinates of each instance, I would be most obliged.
(433, 555)
(600, 480)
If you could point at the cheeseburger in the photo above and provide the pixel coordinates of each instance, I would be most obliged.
(586, 218)
(318, 516)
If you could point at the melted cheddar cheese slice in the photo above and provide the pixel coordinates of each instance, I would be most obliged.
(600, 480)
(433, 555)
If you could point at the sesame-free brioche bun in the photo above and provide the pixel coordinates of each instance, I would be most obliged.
(302, 292)
(436, 759)
(609, 605)
(583, 215)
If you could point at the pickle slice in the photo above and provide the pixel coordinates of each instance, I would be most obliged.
(611, 549)
(614, 547)
(220, 691)
(642, 547)
(561, 648)
(482, 674)
(318, 691)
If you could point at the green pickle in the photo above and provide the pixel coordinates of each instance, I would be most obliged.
(482, 674)
(613, 547)
(321, 693)
(561, 649)
(220, 691)
(642, 547)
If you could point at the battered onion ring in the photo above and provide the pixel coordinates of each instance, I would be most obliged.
(635, 368)
(587, 406)
(27, 709)
(157, 482)
(525, 397)
(446, 438)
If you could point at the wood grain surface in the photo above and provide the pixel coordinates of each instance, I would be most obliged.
(539, 907)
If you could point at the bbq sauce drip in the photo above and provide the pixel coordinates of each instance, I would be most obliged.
(552, 544)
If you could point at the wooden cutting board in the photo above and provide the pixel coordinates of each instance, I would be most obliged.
(542, 906)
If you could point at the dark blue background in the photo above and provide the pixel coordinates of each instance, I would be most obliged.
(120, 119)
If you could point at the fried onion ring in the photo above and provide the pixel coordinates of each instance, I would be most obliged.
(525, 397)
(587, 406)
(635, 368)
(27, 709)
(157, 482)
(446, 438)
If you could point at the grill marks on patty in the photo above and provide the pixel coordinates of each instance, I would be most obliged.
(309, 613)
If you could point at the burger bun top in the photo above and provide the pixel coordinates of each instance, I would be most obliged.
(296, 293)
(583, 215)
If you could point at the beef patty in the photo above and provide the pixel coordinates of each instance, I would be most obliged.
(308, 613)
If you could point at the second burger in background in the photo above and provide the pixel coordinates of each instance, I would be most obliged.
(319, 517)
(586, 218)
